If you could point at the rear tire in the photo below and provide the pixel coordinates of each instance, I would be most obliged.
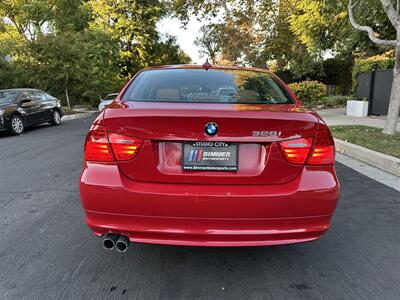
(17, 126)
(55, 118)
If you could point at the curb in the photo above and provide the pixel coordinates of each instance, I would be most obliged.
(78, 116)
(382, 161)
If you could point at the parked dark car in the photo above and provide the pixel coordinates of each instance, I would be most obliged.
(107, 101)
(20, 108)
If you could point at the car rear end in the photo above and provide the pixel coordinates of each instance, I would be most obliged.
(209, 157)
(8, 106)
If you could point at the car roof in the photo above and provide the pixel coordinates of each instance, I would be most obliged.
(21, 89)
(212, 67)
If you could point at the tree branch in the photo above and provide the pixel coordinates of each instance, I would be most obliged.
(398, 7)
(20, 28)
(368, 29)
(391, 12)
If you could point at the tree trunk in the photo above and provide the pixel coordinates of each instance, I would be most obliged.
(67, 97)
(394, 103)
(66, 91)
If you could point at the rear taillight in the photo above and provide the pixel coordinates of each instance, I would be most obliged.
(323, 150)
(124, 147)
(296, 151)
(96, 146)
(103, 147)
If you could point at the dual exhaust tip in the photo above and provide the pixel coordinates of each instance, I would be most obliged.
(119, 242)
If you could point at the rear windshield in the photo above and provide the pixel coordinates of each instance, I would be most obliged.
(207, 86)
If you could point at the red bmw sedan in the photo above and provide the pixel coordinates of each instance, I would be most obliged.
(208, 156)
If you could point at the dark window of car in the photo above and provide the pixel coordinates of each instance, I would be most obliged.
(49, 97)
(207, 86)
(40, 96)
(8, 96)
(28, 95)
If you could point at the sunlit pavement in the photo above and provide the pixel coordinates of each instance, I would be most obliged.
(337, 116)
(47, 252)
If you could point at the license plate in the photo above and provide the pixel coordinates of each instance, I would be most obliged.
(210, 156)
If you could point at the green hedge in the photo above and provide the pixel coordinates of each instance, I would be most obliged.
(334, 101)
(381, 62)
(309, 92)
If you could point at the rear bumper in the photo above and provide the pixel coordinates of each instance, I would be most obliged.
(207, 215)
(209, 232)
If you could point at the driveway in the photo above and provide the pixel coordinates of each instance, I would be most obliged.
(47, 252)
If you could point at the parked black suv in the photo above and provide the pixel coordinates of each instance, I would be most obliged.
(20, 108)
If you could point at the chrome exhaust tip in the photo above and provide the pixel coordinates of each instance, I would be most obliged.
(109, 241)
(122, 243)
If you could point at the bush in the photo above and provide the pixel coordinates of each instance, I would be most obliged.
(333, 101)
(309, 92)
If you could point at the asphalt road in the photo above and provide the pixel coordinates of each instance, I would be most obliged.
(47, 252)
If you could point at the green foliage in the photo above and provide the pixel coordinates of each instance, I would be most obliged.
(12, 74)
(323, 25)
(260, 33)
(80, 63)
(380, 62)
(133, 24)
(337, 73)
(313, 95)
(291, 36)
(334, 72)
(333, 101)
(90, 47)
(81, 48)
(71, 15)
(305, 65)
(167, 52)
(309, 92)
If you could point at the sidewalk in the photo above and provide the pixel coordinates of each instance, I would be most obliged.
(79, 114)
(337, 116)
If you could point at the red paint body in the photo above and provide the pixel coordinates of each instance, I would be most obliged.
(150, 199)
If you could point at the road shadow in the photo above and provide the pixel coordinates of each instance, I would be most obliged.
(29, 129)
(177, 272)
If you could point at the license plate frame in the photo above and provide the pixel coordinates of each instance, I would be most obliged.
(210, 156)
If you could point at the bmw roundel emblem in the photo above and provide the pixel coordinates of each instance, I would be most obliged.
(211, 128)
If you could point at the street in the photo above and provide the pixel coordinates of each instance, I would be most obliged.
(47, 251)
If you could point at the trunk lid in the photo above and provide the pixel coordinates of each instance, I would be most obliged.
(256, 129)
